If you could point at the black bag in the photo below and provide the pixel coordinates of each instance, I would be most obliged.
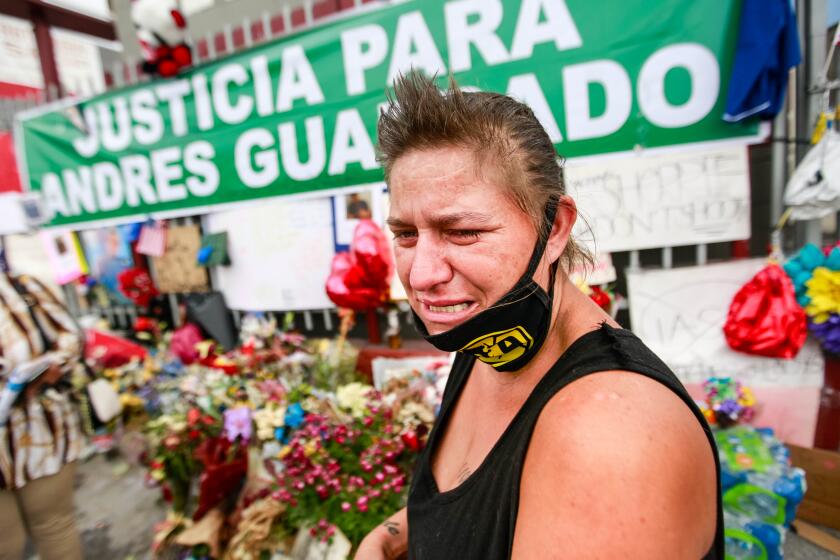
(209, 311)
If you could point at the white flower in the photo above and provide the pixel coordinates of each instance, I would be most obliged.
(268, 419)
(353, 397)
(413, 409)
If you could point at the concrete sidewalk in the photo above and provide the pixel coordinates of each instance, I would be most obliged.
(116, 514)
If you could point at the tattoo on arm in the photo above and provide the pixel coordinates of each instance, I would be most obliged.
(392, 527)
(464, 473)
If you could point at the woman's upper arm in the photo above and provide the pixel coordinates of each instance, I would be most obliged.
(617, 467)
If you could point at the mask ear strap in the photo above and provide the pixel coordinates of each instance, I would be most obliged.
(539, 249)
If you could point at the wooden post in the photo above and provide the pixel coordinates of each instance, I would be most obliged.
(46, 53)
(374, 336)
(827, 434)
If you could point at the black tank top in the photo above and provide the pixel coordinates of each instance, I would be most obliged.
(476, 519)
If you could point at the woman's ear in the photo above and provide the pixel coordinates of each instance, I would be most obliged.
(564, 221)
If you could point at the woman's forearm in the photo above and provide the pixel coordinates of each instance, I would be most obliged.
(388, 541)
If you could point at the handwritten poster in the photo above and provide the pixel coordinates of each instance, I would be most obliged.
(679, 313)
(178, 271)
(647, 201)
(282, 251)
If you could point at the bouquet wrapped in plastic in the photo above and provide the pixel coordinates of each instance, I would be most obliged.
(764, 317)
(360, 280)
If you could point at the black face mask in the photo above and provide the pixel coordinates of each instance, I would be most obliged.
(508, 334)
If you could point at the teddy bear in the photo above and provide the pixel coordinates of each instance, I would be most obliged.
(162, 31)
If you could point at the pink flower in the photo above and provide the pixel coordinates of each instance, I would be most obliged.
(345, 506)
(362, 504)
(238, 423)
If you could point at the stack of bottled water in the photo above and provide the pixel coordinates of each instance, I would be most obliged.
(761, 491)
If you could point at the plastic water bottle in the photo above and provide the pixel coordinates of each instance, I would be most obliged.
(17, 381)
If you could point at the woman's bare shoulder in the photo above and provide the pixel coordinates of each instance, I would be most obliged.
(621, 454)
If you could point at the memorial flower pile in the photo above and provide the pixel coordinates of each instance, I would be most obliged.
(328, 461)
(278, 438)
(345, 471)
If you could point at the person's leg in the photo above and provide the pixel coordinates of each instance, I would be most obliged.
(48, 510)
(12, 530)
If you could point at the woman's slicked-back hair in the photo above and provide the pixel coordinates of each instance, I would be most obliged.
(503, 134)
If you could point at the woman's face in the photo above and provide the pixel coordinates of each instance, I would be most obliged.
(460, 241)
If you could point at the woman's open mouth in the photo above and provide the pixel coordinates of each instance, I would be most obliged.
(442, 315)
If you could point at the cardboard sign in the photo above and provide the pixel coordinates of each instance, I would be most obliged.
(177, 270)
(649, 201)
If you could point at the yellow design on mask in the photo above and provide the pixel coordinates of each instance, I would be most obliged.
(501, 347)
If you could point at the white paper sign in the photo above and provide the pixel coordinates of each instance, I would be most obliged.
(17, 43)
(665, 200)
(680, 313)
(77, 58)
(12, 215)
(281, 253)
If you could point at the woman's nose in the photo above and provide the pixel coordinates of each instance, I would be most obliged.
(429, 267)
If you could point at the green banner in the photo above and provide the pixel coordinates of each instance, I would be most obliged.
(298, 114)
